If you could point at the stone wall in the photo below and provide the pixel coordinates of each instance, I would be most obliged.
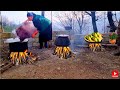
(4, 47)
(4, 36)
(32, 42)
(35, 42)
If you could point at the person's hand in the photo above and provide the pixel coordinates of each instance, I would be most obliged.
(35, 33)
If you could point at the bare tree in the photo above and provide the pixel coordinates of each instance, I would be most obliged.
(116, 17)
(118, 40)
(118, 32)
(66, 19)
(80, 18)
(93, 16)
(7, 25)
(111, 22)
(0, 20)
(5, 21)
(69, 19)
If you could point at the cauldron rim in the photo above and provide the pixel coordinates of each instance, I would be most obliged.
(62, 41)
(62, 35)
(18, 46)
(14, 40)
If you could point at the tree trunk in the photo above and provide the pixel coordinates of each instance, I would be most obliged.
(80, 29)
(81, 22)
(0, 20)
(118, 32)
(80, 25)
(111, 22)
(94, 21)
(118, 40)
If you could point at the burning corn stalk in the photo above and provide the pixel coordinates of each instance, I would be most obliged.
(19, 57)
(95, 46)
(62, 52)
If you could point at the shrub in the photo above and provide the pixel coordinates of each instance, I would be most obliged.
(113, 36)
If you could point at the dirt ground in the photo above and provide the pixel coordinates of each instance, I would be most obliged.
(85, 65)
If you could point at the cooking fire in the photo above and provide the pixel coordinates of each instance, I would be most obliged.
(62, 48)
(62, 52)
(95, 46)
(20, 57)
(19, 53)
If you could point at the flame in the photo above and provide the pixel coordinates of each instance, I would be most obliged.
(62, 52)
(19, 56)
(94, 46)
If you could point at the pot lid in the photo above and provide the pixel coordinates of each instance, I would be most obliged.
(63, 35)
(12, 40)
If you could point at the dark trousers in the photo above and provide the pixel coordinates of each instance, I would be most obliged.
(45, 44)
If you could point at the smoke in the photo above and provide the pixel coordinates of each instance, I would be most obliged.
(14, 34)
(77, 42)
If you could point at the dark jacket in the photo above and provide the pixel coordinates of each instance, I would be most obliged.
(44, 27)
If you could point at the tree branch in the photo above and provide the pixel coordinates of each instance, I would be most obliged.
(60, 20)
(88, 13)
(96, 19)
(69, 22)
(116, 17)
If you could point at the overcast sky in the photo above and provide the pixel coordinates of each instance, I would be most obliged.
(17, 16)
(20, 16)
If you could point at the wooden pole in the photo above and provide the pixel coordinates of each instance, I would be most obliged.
(104, 22)
(43, 13)
(51, 17)
(1, 20)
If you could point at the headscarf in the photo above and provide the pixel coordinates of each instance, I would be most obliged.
(29, 14)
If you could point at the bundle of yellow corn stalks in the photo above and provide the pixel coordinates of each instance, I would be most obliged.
(20, 57)
(94, 40)
(94, 37)
(95, 46)
(62, 52)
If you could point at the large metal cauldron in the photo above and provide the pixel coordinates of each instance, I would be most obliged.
(62, 40)
(16, 46)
